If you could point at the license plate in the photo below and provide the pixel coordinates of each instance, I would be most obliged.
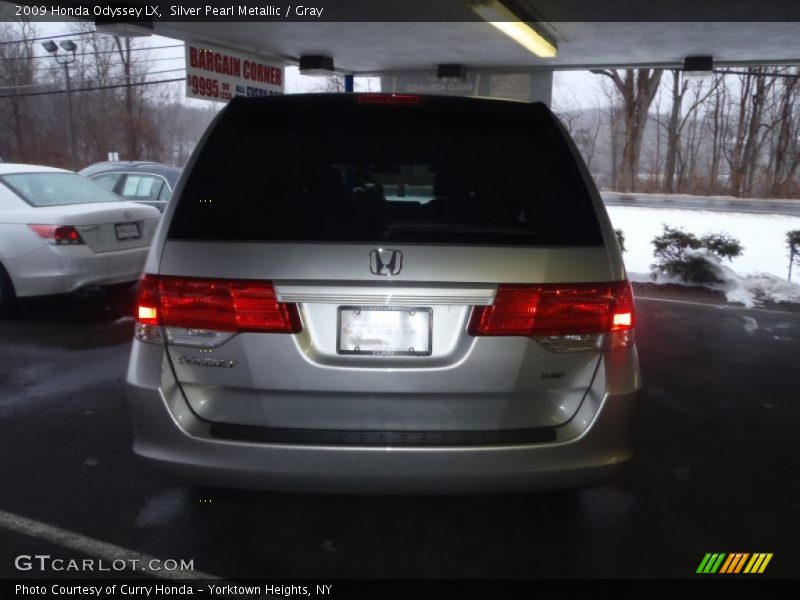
(127, 231)
(384, 331)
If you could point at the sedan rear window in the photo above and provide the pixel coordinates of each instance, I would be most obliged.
(56, 189)
(452, 171)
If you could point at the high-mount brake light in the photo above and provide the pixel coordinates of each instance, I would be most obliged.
(389, 99)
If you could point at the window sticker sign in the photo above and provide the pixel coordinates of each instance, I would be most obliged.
(218, 74)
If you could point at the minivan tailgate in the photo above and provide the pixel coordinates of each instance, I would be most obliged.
(305, 381)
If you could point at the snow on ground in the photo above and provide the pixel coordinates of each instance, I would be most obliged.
(758, 274)
(751, 290)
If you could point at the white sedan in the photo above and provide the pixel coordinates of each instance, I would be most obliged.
(60, 232)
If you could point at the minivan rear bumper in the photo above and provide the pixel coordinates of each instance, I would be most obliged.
(169, 441)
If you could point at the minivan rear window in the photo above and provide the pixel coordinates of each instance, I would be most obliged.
(329, 169)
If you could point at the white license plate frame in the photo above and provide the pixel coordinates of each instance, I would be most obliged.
(127, 231)
(415, 341)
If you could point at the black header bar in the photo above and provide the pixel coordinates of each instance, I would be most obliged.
(149, 11)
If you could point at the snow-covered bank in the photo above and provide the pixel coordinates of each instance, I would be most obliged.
(762, 235)
(751, 290)
(755, 277)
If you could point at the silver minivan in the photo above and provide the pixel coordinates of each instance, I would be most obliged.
(384, 293)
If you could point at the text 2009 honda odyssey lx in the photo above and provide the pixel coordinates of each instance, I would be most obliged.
(384, 293)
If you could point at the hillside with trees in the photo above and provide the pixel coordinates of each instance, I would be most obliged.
(115, 106)
(734, 133)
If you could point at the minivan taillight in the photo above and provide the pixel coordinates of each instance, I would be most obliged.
(565, 316)
(203, 308)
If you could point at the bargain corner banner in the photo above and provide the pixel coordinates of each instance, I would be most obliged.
(218, 74)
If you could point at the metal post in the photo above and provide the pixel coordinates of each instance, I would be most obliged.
(70, 47)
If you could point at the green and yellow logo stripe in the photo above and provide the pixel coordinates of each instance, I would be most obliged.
(734, 562)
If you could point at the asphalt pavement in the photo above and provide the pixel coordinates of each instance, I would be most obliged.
(716, 469)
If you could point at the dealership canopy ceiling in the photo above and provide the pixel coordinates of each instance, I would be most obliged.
(380, 36)
(397, 35)
(380, 47)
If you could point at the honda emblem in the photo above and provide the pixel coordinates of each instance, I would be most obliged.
(385, 262)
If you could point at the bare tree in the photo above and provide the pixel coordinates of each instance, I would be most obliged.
(112, 111)
(610, 121)
(678, 90)
(17, 72)
(785, 154)
(583, 126)
(656, 167)
(636, 89)
(97, 67)
(131, 141)
(569, 118)
(678, 162)
(330, 84)
(717, 125)
(689, 150)
(586, 140)
(743, 151)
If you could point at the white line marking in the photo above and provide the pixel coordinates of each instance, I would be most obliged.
(96, 548)
(711, 304)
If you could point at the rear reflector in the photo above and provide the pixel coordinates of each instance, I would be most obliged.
(58, 235)
(214, 305)
(389, 99)
(562, 309)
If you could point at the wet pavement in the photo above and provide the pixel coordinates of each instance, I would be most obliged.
(716, 469)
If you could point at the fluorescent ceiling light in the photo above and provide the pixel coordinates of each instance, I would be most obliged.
(495, 13)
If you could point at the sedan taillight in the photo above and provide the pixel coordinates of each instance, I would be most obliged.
(205, 312)
(58, 235)
(573, 317)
